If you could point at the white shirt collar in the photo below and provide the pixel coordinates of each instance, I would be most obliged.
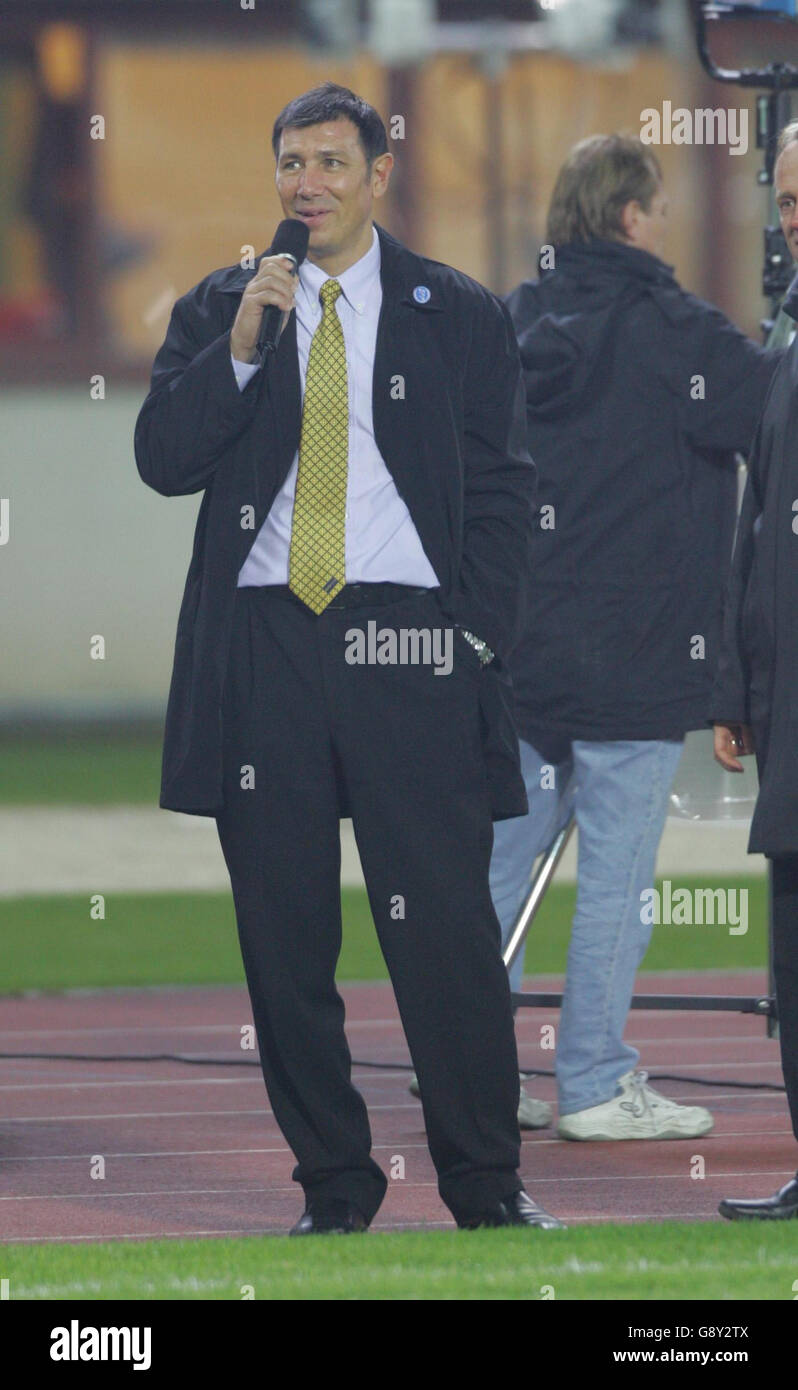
(355, 281)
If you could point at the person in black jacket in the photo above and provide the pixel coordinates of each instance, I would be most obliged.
(369, 476)
(637, 395)
(755, 699)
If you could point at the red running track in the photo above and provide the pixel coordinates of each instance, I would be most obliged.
(195, 1151)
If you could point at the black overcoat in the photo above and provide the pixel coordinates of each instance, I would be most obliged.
(637, 393)
(757, 679)
(449, 421)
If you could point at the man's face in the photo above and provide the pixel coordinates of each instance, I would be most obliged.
(322, 178)
(646, 230)
(785, 180)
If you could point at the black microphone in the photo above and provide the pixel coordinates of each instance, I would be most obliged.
(290, 239)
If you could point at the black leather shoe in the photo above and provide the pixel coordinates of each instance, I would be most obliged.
(779, 1208)
(517, 1210)
(331, 1217)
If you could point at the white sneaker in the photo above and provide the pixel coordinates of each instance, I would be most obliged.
(639, 1112)
(532, 1114)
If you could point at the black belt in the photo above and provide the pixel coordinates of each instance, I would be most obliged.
(355, 595)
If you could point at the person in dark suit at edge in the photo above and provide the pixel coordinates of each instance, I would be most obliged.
(753, 701)
(381, 451)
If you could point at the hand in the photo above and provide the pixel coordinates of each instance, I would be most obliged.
(733, 741)
(272, 284)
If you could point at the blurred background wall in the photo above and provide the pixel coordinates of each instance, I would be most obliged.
(135, 157)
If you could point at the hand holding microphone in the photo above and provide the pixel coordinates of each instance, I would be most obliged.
(270, 293)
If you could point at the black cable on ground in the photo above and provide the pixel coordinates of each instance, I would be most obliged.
(691, 1080)
(171, 1057)
(375, 1066)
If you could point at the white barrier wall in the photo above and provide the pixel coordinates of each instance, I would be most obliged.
(90, 551)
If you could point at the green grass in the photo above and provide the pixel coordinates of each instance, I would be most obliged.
(80, 768)
(656, 1261)
(52, 943)
(156, 939)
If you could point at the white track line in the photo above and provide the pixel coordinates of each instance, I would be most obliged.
(535, 1181)
(283, 1149)
(140, 1082)
(361, 1075)
(190, 1235)
(128, 1115)
(351, 1025)
(168, 1153)
(264, 1111)
(155, 1192)
(232, 1027)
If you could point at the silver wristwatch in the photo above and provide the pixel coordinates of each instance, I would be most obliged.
(481, 648)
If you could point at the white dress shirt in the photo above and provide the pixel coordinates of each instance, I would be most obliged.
(382, 544)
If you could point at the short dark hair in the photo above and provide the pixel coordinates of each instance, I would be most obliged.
(600, 176)
(329, 102)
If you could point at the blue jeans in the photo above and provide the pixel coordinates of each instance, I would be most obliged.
(620, 794)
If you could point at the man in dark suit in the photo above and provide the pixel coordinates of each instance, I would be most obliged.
(355, 588)
(754, 699)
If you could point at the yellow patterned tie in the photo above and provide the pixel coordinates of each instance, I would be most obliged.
(317, 558)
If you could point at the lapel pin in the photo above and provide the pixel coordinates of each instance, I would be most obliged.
(421, 294)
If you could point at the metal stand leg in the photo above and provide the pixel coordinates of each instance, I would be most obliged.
(537, 891)
(716, 1003)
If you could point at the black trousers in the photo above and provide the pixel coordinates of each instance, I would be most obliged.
(309, 736)
(785, 971)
